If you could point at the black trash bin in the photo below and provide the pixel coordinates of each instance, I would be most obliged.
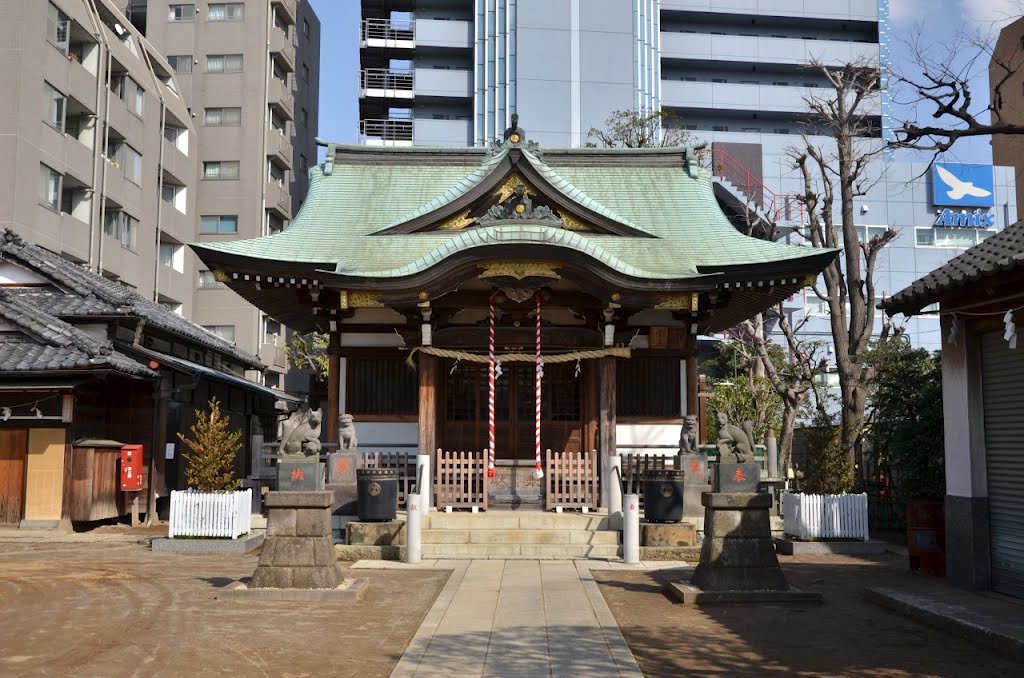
(663, 495)
(377, 493)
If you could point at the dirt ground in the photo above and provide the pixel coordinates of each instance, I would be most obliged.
(118, 609)
(845, 636)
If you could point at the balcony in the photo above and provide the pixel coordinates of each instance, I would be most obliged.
(742, 48)
(281, 46)
(443, 83)
(746, 97)
(388, 34)
(847, 9)
(287, 10)
(390, 83)
(279, 147)
(455, 34)
(385, 132)
(429, 132)
(279, 200)
(176, 163)
(78, 159)
(273, 355)
(74, 236)
(281, 98)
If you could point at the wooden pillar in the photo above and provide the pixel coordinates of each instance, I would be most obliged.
(692, 407)
(591, 406)
(606, 423)
(333, 386)
(428, 369)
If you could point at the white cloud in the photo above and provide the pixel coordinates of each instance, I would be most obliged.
(907, 11)
(992, 13)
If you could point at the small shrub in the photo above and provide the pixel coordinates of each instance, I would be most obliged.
(210, 466)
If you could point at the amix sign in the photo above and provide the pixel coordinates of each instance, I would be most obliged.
(962, 185)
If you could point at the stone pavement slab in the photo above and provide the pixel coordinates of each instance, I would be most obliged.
(497, 618)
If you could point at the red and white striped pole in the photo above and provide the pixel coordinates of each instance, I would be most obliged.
(490, 392)
(539, 472)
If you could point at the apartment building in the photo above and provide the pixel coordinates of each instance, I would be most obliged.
(99, 147)
(249, 73)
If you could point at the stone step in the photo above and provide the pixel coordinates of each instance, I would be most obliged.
(560, 551)
(519, 520)
(519, 536)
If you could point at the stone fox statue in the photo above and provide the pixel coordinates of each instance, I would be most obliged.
(347, 433)
(300, 433)
(735, 444)
(688, 436)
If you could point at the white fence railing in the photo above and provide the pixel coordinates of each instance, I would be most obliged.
(826, 516)
(210, 514)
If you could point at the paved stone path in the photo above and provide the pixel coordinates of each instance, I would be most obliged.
(498, 618)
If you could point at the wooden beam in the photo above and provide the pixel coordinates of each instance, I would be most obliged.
(428, 369)
(333, 386)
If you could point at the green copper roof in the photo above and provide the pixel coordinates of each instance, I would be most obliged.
(370, 190)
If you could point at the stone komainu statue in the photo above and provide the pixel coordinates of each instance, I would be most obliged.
(688, 442)
(347, 441)
(300, 433)
(735, 444)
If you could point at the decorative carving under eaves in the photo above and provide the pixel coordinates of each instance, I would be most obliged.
(519, 207)
(520, 270)
(678, 302)
(456, 223)
(359, 299)
(508, 188)
(571, 223)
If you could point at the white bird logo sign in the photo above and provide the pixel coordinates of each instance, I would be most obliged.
(958, 188)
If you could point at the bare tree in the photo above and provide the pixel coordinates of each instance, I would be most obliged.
(940, 78)
(637, 129)
(832, 180)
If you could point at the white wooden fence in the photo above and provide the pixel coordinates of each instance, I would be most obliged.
(210, 514)
(826, 516)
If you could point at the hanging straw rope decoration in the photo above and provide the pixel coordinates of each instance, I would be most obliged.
(490, 391)
(539, 472)
(571, 357)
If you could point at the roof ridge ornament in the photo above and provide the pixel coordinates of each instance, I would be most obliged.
(514, 137)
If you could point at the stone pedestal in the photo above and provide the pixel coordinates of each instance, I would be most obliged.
(667, 534)
(298, 552)
(388, 533)
(695, 482)
(300, 476)
(341, 480)
(738, 553)
(736, 478)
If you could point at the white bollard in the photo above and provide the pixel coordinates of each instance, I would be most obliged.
(413, 528)
(631, 529)
(423, 472)
(615, 487)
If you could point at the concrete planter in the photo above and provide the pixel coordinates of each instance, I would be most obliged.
(210, 514)
(826, 516)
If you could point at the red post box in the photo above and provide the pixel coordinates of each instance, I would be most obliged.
(131, 468)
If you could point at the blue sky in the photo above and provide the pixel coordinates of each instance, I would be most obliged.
(937, 21)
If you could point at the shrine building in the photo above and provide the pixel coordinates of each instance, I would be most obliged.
(512, 299)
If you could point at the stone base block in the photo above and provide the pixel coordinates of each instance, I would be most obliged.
(692, 508)
(390, 533)
(736, 477)
(350, 554)
(689, 554)
(349, 590)
(300, 476)
(687, 593)
(668, 534)
(789, 547)
(299, 551)
(243, 544)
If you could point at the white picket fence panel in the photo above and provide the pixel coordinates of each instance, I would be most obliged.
(826, 516)
(210, 514)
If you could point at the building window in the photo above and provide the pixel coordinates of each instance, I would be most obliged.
(53, 107)
(816, 307)
(224, 63)
(132, 165)
(181, 12)
(181, 63)
(305, 73)
(58, 28)
(305, 28)
(223, 116)
(649, 387)
(275, 224)
(304, 117)
(365, 395)
(128, 91)
(225, 332)
(207, 280)
(219, 224)
(957, 238)
(121, 227)
(226, 11)
(271, 331)
(172, 255)
(49, 187)
(223, 170)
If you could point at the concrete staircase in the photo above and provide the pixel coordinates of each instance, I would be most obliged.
(520, 534)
